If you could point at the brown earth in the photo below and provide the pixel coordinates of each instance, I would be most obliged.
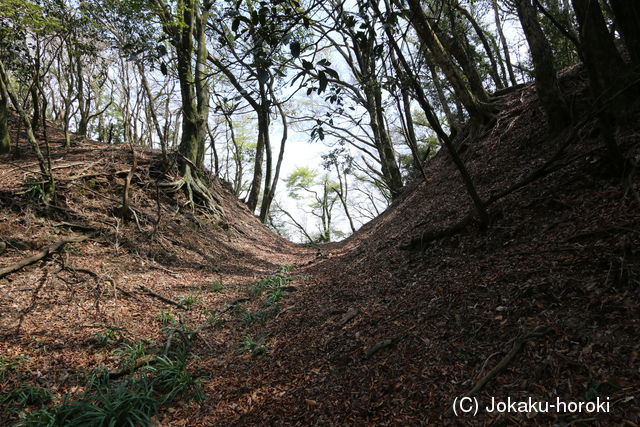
(367, 333)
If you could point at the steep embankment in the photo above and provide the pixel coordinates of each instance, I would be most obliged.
(365, 333)
(83, 305)
(387, 336)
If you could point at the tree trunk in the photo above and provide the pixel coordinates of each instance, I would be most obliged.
(601, 57)
(495, 76)
(84, 105)
(427, 35)
(152, 112)
(503, 41)
(545, 74)
(456, 47)
(44, 163)
(256, 183)
(454, 123)
(435, 124)
(269, 195)
(606, 70)
(627, 16)
(5, 140)
(367, 77)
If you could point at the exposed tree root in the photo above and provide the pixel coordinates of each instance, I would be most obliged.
(48, 250)
(421, 241)
(517, 346)
(162, 297)
(196, 191)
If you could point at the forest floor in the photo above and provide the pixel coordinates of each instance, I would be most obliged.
(357, 332)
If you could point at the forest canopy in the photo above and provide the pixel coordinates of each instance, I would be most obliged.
(239, 89)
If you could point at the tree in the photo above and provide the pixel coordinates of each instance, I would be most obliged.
(5, 140)
(186, 31)
(545, 74)
(255, 42)
(471, 97)
(627, 16)
(319, 191)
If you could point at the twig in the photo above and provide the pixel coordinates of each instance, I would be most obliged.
(40, 255)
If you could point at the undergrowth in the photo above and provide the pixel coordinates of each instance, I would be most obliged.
(107, 399)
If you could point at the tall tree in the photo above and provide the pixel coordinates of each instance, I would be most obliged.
(471, 97)
(545, 74)
(627, 17)
(5, 140)
(186, 31)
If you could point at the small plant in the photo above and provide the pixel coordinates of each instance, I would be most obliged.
(189, 301)
(256, 348)
(216, 286)
(130, 353)
(10, 364)
(275, 295)
(105, 338)
(27, 395)
(128, 403)
(249, 317)
(133, 401)
(212, 320)
(34, 189)
(92, 183)
(268, 283)
(166, 318)
(286, 269)
(172, 378)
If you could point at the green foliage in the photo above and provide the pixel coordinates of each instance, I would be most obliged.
(130, 352)
(216, 286)
(270, 283)
(255, 347)
(26, 395)
(128, 403)
(10, 364)
(105, 338)
(286, 269)
(212, 320)
(301, 178)
(131, 402)
(34, 189)
(190, 301)
(172, 378)
(248, 317)
(166, 318)
(275, 295)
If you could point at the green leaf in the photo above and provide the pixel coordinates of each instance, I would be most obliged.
(295, 49)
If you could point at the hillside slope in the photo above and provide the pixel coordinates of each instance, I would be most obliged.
(388, 336)
(361, 332)
(77, 308)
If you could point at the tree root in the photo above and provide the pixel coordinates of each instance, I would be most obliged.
(421, 241)
(196, 192)
(48, 250)
(517, 346)
(162, 297)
